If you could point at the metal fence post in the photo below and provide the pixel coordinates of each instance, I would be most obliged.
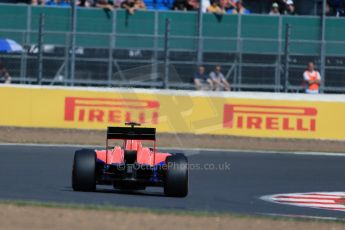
(323, 47)
(199, 34)
(286, 56)
(166, 53)
(26, 43)
(23, 58)
(73, 40)
(111, 48)
(154, 69)
(66, 61)
(239, 52)
(40, 50)
(279, 59)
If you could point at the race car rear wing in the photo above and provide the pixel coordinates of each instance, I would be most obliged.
(131, 133)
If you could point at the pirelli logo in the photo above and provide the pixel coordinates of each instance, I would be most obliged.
(282, 118)
(109, 110)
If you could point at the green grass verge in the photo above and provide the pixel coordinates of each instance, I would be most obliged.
(112, 208)
(176, 212)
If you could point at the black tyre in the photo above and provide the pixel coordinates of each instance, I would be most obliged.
(176, 176)
(84, 170)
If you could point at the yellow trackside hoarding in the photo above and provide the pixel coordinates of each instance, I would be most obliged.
(170, 111)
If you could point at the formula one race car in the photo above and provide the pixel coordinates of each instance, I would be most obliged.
(130, 166)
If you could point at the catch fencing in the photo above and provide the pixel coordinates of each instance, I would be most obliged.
(161, 49)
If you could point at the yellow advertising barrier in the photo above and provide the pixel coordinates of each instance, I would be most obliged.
(184, 112)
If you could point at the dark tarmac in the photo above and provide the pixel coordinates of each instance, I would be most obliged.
(227, 182)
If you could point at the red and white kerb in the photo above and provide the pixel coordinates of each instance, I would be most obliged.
(321, 200)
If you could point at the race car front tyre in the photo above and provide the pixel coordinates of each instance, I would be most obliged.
(84, 170)
(176, 176)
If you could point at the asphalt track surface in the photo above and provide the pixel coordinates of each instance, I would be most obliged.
(38, 173)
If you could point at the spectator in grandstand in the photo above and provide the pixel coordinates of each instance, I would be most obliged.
(180, 5)
(5, 74)
(85, 3)
(232, 3)
(338, 7)
(289, 7)
(312, 79)
(240, 9)
(215, 7)
(132, 5)
(193, 4)
(186, 5)
(38, 2)
(228, 5)
(62, 3)
(274, 9)
(205, 5)
(330, 11)
(129, 5)
(104, 4)
(139, 5)
(201, 80)
(219, 82)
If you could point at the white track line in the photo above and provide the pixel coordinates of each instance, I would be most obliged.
(190, 150)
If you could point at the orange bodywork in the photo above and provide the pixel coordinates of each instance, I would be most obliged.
(145, 156)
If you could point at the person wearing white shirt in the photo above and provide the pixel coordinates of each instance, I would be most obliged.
(219, 81)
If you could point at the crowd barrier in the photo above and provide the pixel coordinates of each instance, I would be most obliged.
(235, 113)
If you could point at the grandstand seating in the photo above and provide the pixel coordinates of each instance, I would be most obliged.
(158, 4)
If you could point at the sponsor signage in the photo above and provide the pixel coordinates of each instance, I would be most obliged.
(111, 111)
(176, 113)
(273, 118)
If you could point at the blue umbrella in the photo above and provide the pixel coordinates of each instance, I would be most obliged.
(8, 46)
